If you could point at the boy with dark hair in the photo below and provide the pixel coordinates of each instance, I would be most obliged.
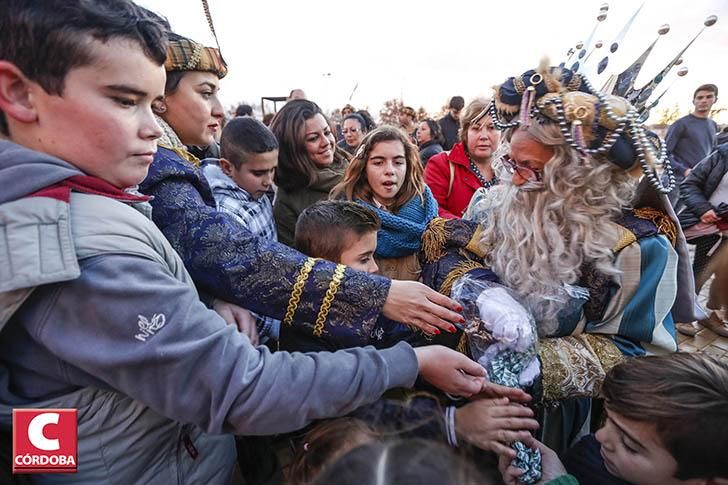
(249, 157)
(667, 423)
(97, 311)
(450, 123)
(341, 231)
(242, 184)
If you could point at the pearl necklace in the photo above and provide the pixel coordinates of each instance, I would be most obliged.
(476, 171)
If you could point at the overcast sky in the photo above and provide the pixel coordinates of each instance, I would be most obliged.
(426, 51)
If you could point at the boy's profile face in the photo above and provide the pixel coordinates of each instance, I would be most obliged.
(359, 252)
(103, 122)
(632, 450)
(255, 176)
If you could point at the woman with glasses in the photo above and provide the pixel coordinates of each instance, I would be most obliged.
(455, 176)
(354, 127)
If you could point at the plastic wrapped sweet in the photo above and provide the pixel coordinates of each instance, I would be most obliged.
(501, 336)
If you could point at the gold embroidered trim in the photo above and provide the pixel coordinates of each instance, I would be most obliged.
(626, 237)
(574, 84)
(608, 353)
(664, 224)
(519, 85)
(575, 366)
(318, 327)
(434, 239)
(183, 153)
(458, 271)
(474, 245)
(462, 346)
(298, 290)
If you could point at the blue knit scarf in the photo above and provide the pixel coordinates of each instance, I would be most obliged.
(401, 233)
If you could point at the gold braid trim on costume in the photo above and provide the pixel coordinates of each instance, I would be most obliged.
(434, 239)
(462, 346)
(474, 245)
(298, 290)
(575, 366)
(456, 272)
(318, 327)
(664, 223)
(626, 237)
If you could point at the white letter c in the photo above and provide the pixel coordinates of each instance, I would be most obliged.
(35, 432)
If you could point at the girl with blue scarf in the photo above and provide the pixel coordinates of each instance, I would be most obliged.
(386, 175)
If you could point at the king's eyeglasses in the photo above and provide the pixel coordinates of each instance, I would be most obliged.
(526, 173)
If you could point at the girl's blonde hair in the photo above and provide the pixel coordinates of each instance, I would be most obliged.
(355, 185)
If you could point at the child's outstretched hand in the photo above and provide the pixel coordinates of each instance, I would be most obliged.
(238, 316)
(450, 371)
(493, 424)
(551, 466)
(417, 305)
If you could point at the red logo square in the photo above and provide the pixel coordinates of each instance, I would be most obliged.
(45, 441)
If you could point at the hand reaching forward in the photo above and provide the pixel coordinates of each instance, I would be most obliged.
(493, 424)
(415, 304)
(551, 466)
(450, 371)
(238, 316)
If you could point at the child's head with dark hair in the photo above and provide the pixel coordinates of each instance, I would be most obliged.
(324, 444)
(667, 419)
(249, 155)
(341, 231)
(401, 462)
(244, 110)
(45, 41)
(78, 80)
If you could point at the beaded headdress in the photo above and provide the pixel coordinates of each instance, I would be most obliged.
(600, 125)
(605, 124)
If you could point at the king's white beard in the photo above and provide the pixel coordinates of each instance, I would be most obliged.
(537, 241)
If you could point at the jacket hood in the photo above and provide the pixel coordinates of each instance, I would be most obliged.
(24, 171)
(217, 178)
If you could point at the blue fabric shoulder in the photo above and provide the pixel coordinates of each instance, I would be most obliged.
(228, 262)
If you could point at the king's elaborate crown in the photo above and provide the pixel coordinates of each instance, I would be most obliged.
(605, 124)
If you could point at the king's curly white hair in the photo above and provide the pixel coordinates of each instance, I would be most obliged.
(537, 241)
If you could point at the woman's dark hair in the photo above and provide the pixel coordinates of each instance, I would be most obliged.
(435, 130)
(294, 165)
(359, 119)
(368, 120)
(401, 462)
(47, 39)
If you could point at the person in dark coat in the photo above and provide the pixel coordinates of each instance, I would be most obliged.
(429, 139)
(705, 219)
(450, 123)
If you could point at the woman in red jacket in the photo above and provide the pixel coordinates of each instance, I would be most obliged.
(454, 177)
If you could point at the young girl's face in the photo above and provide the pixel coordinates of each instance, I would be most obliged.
(386, 170)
